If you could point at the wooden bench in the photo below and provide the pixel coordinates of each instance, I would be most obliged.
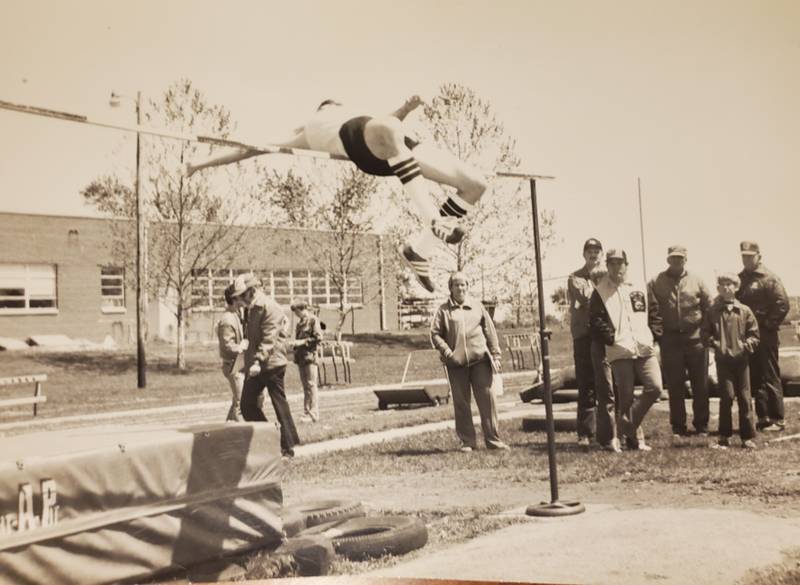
(336, 354)
(37, 397)
(524, 348)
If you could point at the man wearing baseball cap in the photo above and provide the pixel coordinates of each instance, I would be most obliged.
(265, 359)
(623, 318)
(580, 286)
(762, 291)
(683, 301)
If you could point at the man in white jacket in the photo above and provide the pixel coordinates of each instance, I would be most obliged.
(622, 317)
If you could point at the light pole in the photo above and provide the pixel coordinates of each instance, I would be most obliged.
(141, 251)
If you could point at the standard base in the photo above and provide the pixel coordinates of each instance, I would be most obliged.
(555, 509)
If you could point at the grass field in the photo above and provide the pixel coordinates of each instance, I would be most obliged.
(100, 381)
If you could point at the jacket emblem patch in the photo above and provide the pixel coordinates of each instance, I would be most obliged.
(637, 301)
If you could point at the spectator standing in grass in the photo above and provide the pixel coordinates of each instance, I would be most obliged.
(762, 291)
(730, 328)
(464, 333)
(308, 335)
(621, 315)
(230, 333)
(265, 360)
(683, 300)
(579, 290)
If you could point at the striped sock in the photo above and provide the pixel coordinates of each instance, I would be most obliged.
(455, 206)
(406, 168)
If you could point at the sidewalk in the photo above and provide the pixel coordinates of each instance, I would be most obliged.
(607, 545)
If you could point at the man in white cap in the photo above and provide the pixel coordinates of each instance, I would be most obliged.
(265, 360)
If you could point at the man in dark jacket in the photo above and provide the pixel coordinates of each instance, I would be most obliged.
(683, 300)
(763, 292)
(579, 290)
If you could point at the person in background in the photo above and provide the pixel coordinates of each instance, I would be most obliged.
(308, 335)
(731, 330)
(683, 300)
(579, 290)
(621, 315)
(463, 332)
(230, 334)
(762, 291)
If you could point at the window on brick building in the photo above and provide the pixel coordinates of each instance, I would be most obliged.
(315, 287)
(28, 288)
(112, 288)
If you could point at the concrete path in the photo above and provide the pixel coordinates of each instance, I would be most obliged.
(611, 546)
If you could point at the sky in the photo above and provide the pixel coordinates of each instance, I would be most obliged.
(697, 99)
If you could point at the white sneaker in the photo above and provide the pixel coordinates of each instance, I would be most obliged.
(419, 265)
(448, 230)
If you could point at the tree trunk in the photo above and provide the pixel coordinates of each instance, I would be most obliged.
(181, 339)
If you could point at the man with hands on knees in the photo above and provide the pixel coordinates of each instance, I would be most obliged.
(464, 334)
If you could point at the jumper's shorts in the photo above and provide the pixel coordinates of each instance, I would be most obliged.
(352, 136)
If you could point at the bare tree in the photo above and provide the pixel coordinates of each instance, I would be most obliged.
(339, 247)
(195, 224)
(500, 240)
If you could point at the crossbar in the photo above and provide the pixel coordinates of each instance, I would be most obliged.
(17, 401)
(201, 139)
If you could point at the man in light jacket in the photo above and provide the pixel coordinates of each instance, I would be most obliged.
(265, 361)
(463, 332)
(621, 315)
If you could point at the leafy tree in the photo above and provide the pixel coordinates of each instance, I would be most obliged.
(195, 224)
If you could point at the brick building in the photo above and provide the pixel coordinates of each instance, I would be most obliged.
(58, 276)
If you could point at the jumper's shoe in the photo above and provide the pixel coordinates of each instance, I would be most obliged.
(448, 230)
(419, 265)
(614, 446)
(465, 449)
(749, 444)
(639, 445)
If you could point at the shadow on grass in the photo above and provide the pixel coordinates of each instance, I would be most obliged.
(112, 364)
(418, 452)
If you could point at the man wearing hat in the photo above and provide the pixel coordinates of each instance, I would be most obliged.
(683, 301)
(762, 291)
(232, 343)
(623, 318)
(580, 286)
(265, 359)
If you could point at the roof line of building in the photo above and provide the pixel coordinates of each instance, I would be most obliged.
(112, 218)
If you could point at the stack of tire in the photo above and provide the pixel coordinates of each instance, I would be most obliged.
(316, 530)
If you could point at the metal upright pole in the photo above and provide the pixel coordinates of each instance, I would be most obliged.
(554, 508)
(141, 262)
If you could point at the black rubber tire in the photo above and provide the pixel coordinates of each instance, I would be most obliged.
(363, 538)
(562, 423)
(322, 511)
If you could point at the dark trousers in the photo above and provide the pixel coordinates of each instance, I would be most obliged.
(765, 377)
(734, 382)
(679, 355)
(272, 379)
(584, 373)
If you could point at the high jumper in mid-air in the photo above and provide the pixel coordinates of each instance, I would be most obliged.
(379, 146)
